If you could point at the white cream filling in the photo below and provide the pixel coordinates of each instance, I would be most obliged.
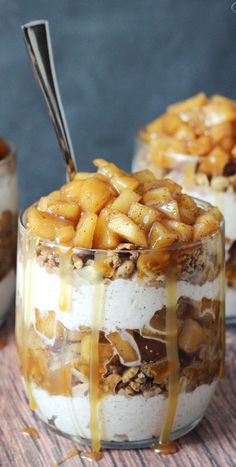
(121, 418)
(7, 288)
(128, 304)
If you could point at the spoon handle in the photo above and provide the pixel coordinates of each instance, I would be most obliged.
(38, 43)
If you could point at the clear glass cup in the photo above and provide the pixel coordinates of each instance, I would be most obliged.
(8, 227)
(120, 348)
(220, 191)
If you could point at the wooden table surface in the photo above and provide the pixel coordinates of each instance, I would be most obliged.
(213, 443)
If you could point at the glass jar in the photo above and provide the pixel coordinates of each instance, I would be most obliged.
(8, 225)
(217, 190)
(120, 348)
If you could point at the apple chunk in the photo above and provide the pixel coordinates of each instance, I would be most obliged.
(85, 230)
(123, 226)
(44, 225)
(104, 238)
(160, 236)
(123, 202)
(94, 194)
(144, 216)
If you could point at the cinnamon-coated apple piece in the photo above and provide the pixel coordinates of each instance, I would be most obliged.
(172, 186)
(104, 238)
(194, 102)
(123, 202)
(215, 162)
(85, 230)
(123, 226)
(44, 225)
(188, 209)
(219, 111)
(163, 151)
(144, 216)
(94, 194)
(70, 211)
(160, 236)
(83, 175)
(145, 175)
(170, 210)
(108, 168)
(183, 231)
(205, 225)
(157, 196)
(124, 182)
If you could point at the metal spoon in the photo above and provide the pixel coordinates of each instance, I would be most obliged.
(38, 43)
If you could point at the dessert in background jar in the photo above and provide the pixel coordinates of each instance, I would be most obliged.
(8, 222)
(194, 143)
(120, 308)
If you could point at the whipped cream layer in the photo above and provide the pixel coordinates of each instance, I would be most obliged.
(128, 303)
(7, 287)
(121, 418)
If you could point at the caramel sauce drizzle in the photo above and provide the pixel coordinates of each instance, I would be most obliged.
(32, 432)
(73, 453)
(29, 245)
(65, 283)
(92, 456)
(165, 446)
(98, 299)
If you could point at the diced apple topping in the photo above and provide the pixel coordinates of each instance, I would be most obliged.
(160, 236)
(104, 238)
(44, 225)
(205, 225)
(124, 201)
(197, 126)
(123, 226)
(102, 210)
(144, 216)
(85, 230)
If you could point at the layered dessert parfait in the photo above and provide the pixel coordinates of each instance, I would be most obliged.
(120, 308)
(8, 222)
(194, 143)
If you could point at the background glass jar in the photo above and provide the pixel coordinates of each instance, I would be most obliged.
(120, 347)
(8, 225)
(220, 191)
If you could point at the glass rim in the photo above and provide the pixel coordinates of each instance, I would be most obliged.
(172, 247)
(10, 155)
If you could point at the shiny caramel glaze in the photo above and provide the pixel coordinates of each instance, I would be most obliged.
(70, 455)
(32, 432)
(101, 210)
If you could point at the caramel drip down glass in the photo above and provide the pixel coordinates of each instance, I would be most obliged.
(121, 348)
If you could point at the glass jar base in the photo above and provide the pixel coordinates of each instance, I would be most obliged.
(141, 444)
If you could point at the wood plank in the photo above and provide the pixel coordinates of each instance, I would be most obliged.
(211, 444)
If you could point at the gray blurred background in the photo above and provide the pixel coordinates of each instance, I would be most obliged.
(119, 63)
